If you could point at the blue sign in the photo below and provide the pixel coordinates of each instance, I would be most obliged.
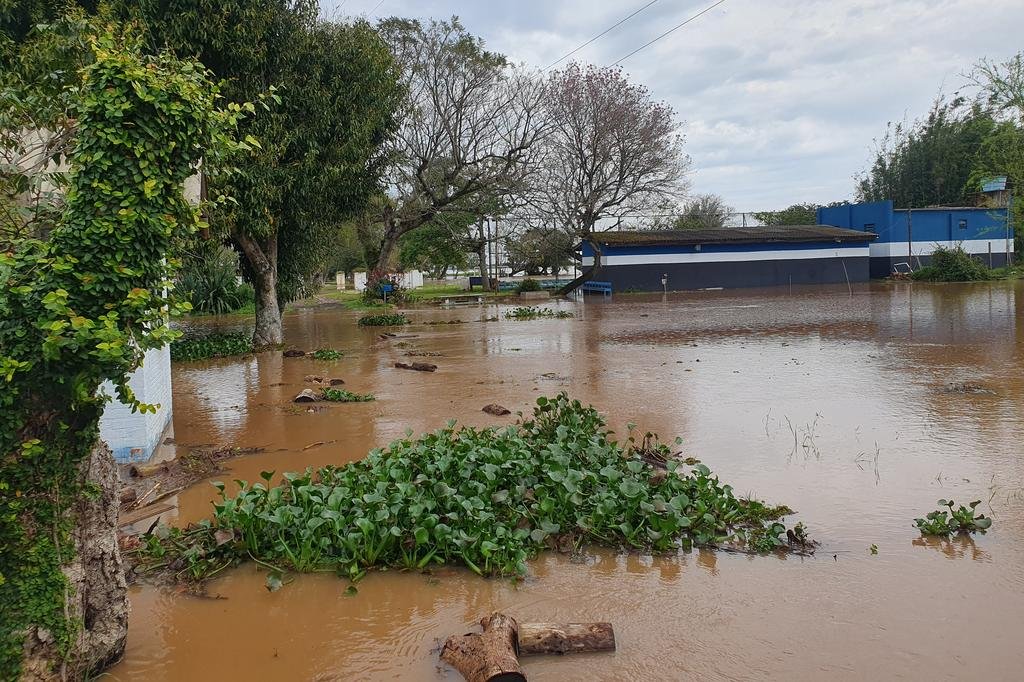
(387, 288)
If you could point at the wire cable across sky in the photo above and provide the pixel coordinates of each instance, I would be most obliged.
(607, 30)
(674, 28)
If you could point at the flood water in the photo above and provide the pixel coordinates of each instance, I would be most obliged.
(830, 401)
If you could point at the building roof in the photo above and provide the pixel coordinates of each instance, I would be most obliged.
(733, 235)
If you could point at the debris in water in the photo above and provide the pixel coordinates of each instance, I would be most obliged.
(418, 366)
(968, 387)
(294, 353)
(496, 410)
(306, 396)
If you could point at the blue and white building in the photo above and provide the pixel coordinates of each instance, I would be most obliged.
(911, 235)
(677, 260)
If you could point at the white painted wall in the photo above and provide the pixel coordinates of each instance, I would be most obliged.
(133, 436)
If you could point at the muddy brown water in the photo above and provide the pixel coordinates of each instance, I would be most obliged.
(832, 402)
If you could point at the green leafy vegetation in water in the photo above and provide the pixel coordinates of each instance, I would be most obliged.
(326, 354)
(383, 320)
(952, 265)
(489, 499)
(210, 346)
(340, 395)
(374, 291)
(528, 284)
(534, 313)
(962, 520)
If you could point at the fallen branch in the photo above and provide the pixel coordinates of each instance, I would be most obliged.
(493, 655)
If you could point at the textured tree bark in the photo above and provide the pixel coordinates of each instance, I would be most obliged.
(262, 260)
(97, 596)
(587, 274)
(490, 656)
(565, 638)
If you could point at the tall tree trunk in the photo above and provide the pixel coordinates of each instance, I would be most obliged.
(587, 274)
(387, 247)
(262, 261)
(97, 594)
(481, 254)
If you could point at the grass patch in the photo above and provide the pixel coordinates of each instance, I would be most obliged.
(326, 354)
(534, 313)
(210, 346)
(383, 320)
(340, 395)
(489, 499)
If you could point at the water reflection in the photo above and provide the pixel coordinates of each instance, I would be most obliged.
(876, 438)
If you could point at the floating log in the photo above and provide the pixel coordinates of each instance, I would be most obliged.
(306, 396)
(493, 655)
(565, 638)
(489, 656)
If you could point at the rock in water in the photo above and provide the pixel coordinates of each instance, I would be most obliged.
(496, 410)
(294, 353)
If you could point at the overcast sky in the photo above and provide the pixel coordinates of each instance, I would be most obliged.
(779, 99)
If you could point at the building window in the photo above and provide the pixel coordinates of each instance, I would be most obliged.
(963, 224)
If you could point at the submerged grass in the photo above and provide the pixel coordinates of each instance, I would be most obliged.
(489, 499)
(340, 395)
(383, 320)
(210, 346)
(534, 313)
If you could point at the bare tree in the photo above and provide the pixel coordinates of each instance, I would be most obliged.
(703, 212)
(613, 151)
(469, 127)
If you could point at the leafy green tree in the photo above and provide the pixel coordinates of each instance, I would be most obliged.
(536, 249)
(319, 157)
(797, 214)
(436, 248)
(79, 308)
(929, 161)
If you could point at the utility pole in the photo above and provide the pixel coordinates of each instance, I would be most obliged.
(910, 239)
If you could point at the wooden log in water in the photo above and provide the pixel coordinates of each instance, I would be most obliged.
(565, 638)
(490, 656)
(493, 655)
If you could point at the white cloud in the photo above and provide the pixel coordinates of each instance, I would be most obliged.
(781, 98)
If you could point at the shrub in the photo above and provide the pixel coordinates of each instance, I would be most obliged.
(962, 520)
(210, 346)
(340, 395)
(528, 284)
(486, 498)
(374, 292)
(952, 265)
(209, 279)
(383, 320)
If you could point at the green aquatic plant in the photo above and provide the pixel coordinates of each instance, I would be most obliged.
(961, 520)
(326, 354)
(383, 320)
(534, 313)
(489, 499)
(340, 395)
(210, 346)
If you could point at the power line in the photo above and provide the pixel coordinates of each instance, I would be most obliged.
(610, 28)
(674, 28)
